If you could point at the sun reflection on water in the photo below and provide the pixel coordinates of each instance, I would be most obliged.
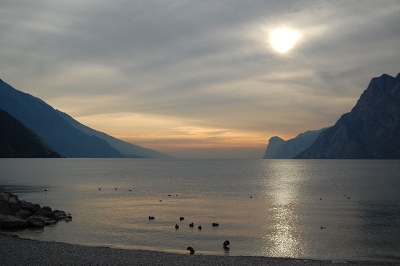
(282, 237)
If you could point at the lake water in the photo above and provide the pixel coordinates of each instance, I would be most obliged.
(320, 209)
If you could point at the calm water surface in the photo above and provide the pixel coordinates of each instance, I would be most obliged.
(264, 207)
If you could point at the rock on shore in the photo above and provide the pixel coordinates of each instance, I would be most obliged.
(16, 214)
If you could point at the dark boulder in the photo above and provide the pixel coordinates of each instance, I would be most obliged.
(15, 207)
(5, 208)
(59, 215)
(46, 220)
(4, 196)
(47, 208)
(46, 213)
(12, 222)
(23, 214)
(29, 206)
(13, 200)
(36, 221)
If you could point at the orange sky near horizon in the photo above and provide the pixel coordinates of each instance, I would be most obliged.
(174, 137)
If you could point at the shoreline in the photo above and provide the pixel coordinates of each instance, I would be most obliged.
(20, 251)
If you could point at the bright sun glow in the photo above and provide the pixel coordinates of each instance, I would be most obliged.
(283, 39)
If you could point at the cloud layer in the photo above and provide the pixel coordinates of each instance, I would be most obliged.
(198, 78)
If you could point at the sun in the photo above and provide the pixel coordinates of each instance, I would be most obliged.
(283, 39)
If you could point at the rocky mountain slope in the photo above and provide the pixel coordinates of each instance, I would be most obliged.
(18, 141)
(56, 131)
(370, 131)
(42, 119)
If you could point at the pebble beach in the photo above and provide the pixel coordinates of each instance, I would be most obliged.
(18, 251)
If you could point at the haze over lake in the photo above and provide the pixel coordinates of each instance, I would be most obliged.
(322, 209)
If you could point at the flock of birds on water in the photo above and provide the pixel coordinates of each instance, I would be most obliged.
(226, 242)
(225, 245)
(191, 250)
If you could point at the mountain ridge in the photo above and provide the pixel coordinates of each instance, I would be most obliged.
(371, 130)
(58, 133)
(18, 141)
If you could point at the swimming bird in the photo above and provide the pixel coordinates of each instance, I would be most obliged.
(226, 243)
(199, 227)
(116, 188)
(190, 249)
(181, 218)
(191, 224)
(99, 188)
(151, 217)
(323, 227)
(176, 226)
(215, 224)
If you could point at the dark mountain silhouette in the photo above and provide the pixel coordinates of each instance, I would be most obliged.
(18, 141)
(46, 122)
(279, 149)
(370, 131)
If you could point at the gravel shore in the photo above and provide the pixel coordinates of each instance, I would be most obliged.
(17, 251)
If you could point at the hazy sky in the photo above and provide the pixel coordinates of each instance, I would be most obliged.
(199, 79)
